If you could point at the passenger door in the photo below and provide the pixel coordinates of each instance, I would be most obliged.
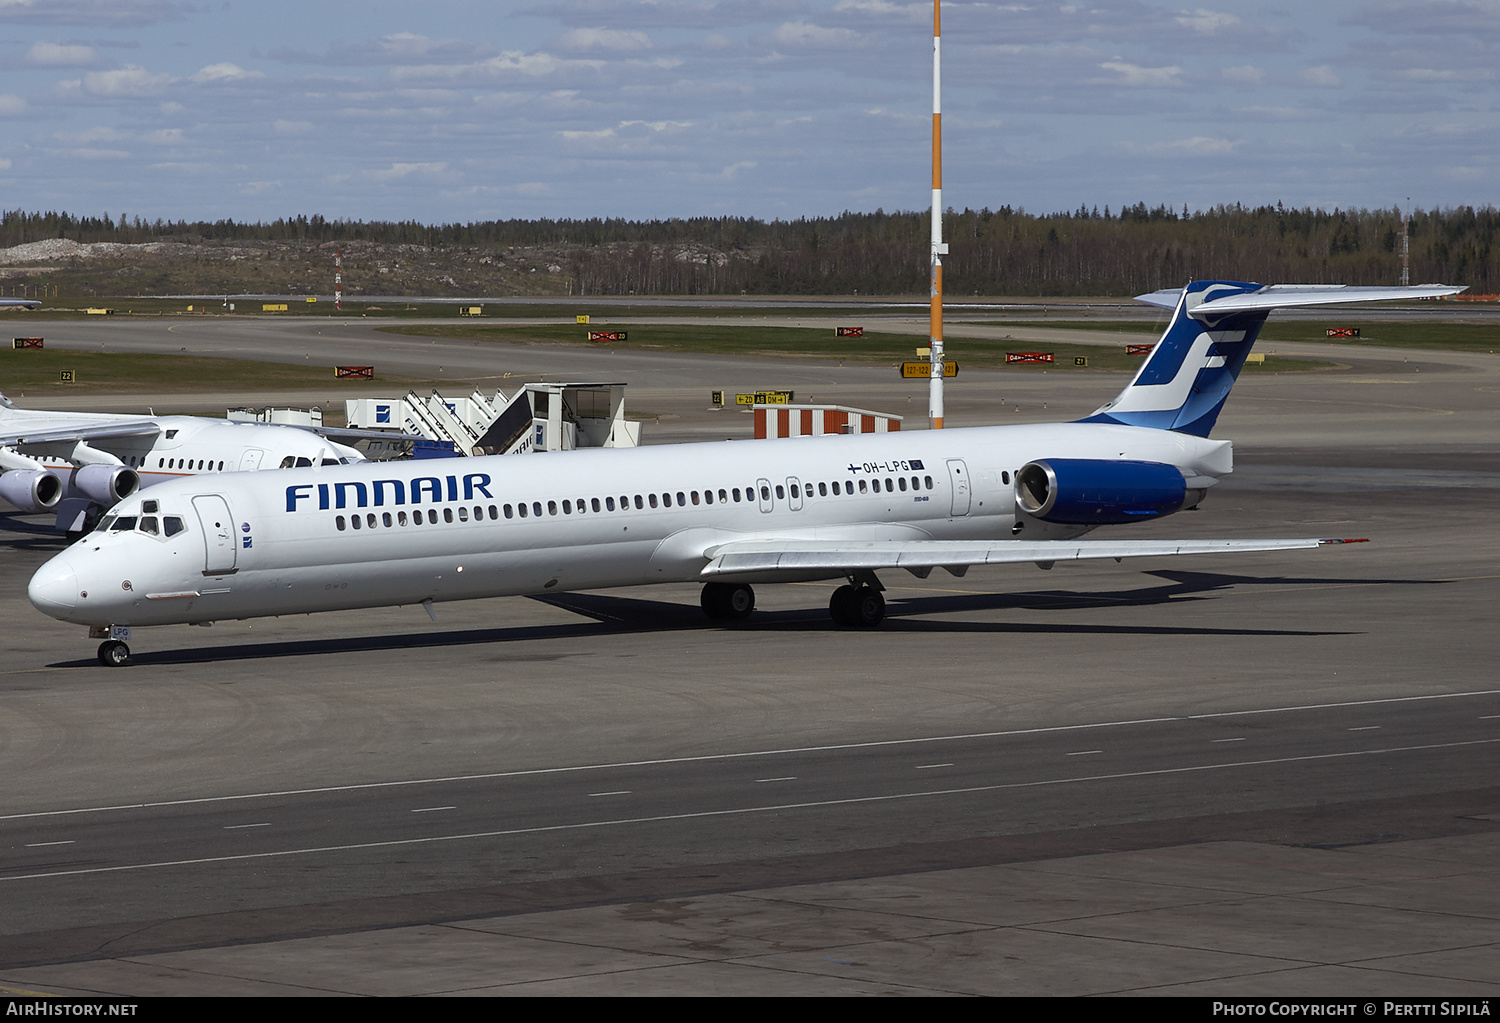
(958, 478)
(218, 534)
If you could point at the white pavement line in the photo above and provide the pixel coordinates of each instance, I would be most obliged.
(730, 756)
(772, 808)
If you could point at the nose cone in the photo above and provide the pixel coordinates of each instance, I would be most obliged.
(54, 588)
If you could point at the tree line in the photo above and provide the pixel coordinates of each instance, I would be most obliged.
(992, 252)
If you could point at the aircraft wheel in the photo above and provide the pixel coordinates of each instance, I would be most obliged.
(841, 606)
(113, 653)
(727, 601)
(867, 607)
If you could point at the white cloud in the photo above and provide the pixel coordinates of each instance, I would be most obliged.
(1208, 22)
(292, 129)
(127, 81)
(1198, 145)
(46, 54)
(4, 163)
(89, 153)
(511, 63)
(1245, 74)
(163, 136)
(1134, 74)
(401, 171)
(1321, 77)
(224, 72)
(884, 8)
(88, 12)
(619, 40)
(802, 33)
(88, 135)
(11, 104)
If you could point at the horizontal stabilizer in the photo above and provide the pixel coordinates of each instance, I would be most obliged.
(801, 557)
(1284, 296)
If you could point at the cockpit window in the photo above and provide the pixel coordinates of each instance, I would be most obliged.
(172, 525)
(149, 507)
(330, 461)
(123, 524)
(288, 462)
(105, 523)
(303, 463)
(148, 525)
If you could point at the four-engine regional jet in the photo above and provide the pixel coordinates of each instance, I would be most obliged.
(727, 515)
(75, 464)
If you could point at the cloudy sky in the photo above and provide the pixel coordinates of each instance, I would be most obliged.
(453, 110)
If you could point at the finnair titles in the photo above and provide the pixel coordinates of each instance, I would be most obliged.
(725, 515)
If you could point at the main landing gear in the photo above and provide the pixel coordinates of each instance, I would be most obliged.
(727, 601)
(858, 606)
(113, 653)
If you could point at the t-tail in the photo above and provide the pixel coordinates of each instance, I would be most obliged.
(1187, 377)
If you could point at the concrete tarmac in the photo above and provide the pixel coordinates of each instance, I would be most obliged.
(1262, 775)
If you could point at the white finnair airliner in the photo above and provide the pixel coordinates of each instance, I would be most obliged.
(727, 515)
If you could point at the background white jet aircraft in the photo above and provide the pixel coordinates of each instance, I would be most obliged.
(76, 464)
(725, 515)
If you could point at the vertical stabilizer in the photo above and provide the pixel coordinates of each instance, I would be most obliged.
(1189, 373)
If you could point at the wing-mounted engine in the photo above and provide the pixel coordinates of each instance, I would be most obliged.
(1100, 492)
(106, 484)
(32, 490)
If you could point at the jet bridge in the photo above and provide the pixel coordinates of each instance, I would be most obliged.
(538, 417)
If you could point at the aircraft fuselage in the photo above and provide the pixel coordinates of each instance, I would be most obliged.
(380, 534)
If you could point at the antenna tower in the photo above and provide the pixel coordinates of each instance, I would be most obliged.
(1406, 246)
(935, 386)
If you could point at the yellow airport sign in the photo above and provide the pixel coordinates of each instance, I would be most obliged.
(764, 398)
(923, 370)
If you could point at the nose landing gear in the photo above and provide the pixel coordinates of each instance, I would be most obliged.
(113, 653)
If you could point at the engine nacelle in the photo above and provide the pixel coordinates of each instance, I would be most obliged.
(106, 484)
(1098, 492)
(35, 490)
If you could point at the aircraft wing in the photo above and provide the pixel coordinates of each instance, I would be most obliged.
(24, 303)
(1280, 296)
(54, 432)
(346, 433)
(836, 556)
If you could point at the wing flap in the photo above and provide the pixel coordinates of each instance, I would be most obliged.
(835, 556)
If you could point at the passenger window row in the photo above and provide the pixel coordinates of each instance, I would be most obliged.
(188, 463)
(583, 506)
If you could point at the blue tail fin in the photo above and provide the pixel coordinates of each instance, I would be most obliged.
(1189, 373)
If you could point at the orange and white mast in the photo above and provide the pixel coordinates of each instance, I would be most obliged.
(935, 385)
